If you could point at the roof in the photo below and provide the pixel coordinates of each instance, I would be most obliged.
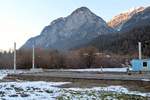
(140, 60)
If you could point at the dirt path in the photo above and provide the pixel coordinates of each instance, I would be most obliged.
(95, 76)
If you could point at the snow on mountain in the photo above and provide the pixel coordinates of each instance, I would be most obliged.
(139, 19)
(118, 21)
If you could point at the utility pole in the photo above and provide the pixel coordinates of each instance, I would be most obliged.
(33, 58)
(33, 69)
(140, 50)
(14, 56)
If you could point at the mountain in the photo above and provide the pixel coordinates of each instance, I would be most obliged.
(138, 20)
(83, 28)
(79, 28)
(118, 21)
(135, 29)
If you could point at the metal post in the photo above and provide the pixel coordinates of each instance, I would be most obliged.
(33, 66)
(15, 56)
(101, 69)
(140, 50)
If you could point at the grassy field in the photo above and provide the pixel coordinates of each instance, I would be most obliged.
(97, 95)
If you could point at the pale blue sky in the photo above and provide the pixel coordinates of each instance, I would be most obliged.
(22, 19)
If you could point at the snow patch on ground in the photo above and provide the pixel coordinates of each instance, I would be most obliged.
(116, 89)
(146, 80)
(4, 73)
(29, 90)
(98, 70)
(49, 91)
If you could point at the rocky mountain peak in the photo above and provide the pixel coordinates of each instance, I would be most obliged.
(65, 33)
(81, 10)
(139, 19)
(134, 10)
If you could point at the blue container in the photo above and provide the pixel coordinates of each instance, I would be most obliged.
(140, 64)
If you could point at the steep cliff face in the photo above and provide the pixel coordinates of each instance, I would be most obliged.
(118, 21)
(65, 33)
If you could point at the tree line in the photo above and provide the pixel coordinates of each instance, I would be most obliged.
(88, 57)
(125, 43)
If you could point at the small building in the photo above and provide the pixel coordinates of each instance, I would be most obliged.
(140, 64)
